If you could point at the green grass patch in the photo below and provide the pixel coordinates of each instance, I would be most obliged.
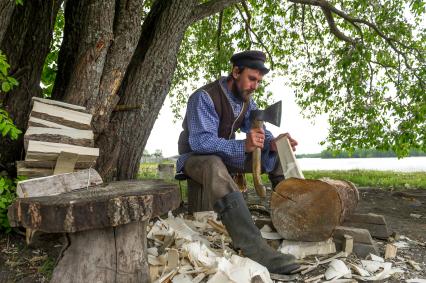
(372, 178)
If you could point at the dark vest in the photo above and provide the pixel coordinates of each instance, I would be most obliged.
(224, 111)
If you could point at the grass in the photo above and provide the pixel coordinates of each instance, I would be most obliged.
(361, 178)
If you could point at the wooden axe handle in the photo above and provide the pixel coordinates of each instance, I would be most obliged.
(257, 166)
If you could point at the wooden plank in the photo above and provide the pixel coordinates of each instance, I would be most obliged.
(57, 184)
(50, 164)
(359, 249)
(32, 172)
(366, 218)
(61, 104)
(36, 122)
(67, 136)
(49, 151)
(59, 115)
(359, 235)
(390, 251)
(379, 231)
(103, 206)
(288, 159)
(65, 163)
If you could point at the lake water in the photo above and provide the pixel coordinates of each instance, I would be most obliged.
(408, 164)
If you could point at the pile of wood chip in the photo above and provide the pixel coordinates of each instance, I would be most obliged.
(197, 249)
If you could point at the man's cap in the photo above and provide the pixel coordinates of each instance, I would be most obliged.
(252, 59)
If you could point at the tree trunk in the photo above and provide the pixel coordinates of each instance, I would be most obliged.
(6, 10)
(144, 89)
(26, 43)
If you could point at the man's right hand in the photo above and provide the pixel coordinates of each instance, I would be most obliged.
(254, 139)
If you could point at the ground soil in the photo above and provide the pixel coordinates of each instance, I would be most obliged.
(401, 208)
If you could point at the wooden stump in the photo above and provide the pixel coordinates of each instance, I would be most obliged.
(107, 226)
(309, 210)
(198, 199)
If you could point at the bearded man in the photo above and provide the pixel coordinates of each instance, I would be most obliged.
(209, 152)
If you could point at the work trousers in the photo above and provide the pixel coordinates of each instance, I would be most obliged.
(215, 177)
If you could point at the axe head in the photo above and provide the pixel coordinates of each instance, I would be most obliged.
(272, 114)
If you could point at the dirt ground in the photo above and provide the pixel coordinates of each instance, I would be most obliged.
(404, 210)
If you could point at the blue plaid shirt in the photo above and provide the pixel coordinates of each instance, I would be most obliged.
(203, 125)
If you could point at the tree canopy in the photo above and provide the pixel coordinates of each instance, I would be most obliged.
(360, 62)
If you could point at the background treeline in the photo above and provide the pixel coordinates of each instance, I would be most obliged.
(358, 153)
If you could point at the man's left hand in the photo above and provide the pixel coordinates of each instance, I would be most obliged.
(293, 142)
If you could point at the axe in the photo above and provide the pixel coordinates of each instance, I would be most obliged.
(272, 114)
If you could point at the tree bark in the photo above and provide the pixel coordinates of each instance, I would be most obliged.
(145, 86)
(26, 43)
(88, 34)
(6, 10)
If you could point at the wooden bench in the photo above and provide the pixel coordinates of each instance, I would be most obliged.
(105, 226)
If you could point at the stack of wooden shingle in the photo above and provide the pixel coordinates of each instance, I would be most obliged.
(59, 139)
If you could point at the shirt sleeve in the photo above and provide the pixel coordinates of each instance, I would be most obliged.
(203, 125)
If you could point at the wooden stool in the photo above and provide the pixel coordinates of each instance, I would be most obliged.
(106, 226)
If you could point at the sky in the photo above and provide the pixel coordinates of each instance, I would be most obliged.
(165, 134)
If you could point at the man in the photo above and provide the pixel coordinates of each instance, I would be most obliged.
(209, 152)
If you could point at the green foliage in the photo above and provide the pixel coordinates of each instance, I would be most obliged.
(7, 195)
(6, 81)
(50, 67)
(7, 128)
(371, 86)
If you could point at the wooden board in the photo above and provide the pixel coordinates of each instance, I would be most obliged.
(112, 204)
(198, 199)
(61, 104)
(60, 115)
(57, 184)
(32, 172)
(37, 122)
(374, 223)
(65, 163)
(51, 164)
(288, 160)
(40, 150)
(68, 136)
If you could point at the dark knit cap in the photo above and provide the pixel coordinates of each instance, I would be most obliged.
(252, 59)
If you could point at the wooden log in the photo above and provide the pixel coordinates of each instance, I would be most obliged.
(51, 164)
(105, 255)
(60, 115)
(198, 199)
(68, 136)
(57, 184)
(65, 163)
(113, 204)
(49, 151)
(309, 210)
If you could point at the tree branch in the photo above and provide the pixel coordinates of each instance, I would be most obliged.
(256, 36)
(219, 31)
(211, 7)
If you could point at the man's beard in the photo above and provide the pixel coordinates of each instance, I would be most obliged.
(243, 95)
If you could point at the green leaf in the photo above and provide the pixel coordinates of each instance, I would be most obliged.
(5, 86)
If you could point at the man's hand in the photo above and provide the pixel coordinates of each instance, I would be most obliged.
(292, 141)
(254, 139)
